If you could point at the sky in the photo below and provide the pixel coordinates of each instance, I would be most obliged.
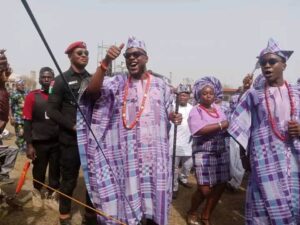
(185, 39)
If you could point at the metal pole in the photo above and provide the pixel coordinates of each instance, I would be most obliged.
(174, 141)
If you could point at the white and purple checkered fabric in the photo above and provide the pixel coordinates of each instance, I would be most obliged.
(211, 169)
(139, 158)
(259, 81)
(274, 185)
(273, 47)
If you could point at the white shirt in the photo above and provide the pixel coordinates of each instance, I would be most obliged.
(183, 142)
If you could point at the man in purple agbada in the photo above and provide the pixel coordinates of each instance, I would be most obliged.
(129, 113)
(266, 124)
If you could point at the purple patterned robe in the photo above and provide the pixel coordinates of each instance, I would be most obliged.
(139, 157)
(274, 184)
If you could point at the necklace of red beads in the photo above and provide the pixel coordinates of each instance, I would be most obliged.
(139, 114)
(271, 119)
(213, 114)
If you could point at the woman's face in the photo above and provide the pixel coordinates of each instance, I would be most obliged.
(183, 98)
(207, 95)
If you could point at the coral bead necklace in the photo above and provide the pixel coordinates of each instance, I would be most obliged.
(139, 114)
(271, 119)
(213, 114)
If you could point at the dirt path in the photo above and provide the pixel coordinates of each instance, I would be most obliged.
(229, 211)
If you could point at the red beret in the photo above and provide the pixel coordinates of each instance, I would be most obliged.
(77, 44)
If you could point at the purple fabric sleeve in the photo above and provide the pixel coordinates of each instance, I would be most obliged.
(199, 118)
(195, 120)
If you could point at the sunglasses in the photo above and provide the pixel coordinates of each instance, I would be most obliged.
(136, 54)
(271, 62)
(80, 53)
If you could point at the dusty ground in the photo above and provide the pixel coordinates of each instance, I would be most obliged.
(229, 211)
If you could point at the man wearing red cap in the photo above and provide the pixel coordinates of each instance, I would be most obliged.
(62, 109)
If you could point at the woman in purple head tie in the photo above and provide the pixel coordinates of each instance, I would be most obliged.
(208, 125)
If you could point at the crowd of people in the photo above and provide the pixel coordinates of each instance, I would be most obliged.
(122, 130)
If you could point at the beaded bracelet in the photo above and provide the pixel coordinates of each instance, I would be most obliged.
(103, 66)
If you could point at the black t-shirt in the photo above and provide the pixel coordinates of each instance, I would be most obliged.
(62, 106)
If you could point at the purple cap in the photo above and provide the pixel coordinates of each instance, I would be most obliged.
(133, 42)
(274, 48)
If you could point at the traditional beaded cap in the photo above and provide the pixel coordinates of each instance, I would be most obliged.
(133, 42)
(183, 88)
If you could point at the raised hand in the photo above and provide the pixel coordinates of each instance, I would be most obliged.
(3, 60)
(247, 81)
(113, 52)
(96, 81)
